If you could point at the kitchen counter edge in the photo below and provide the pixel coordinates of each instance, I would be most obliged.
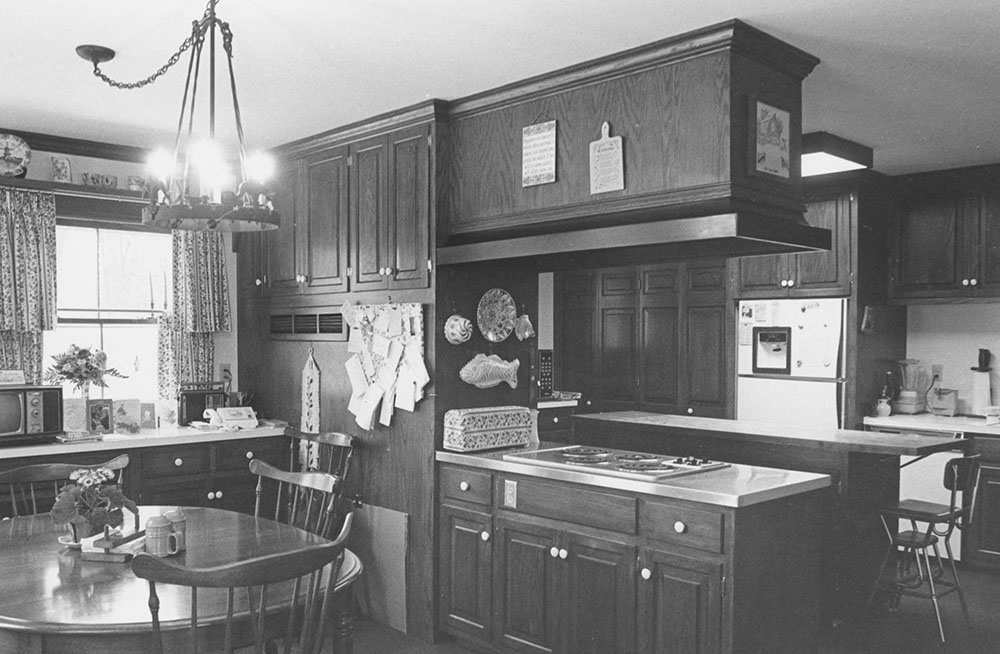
(144, 439)
(735, 486)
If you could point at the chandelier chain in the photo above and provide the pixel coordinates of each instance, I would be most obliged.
(198, 29)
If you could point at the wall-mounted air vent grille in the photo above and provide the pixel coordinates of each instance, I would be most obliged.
(308, 326)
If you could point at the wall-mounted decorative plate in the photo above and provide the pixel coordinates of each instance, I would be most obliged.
(496, 315)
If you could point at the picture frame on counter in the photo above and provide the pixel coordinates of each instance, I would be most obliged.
(100, 416)
(769, 146)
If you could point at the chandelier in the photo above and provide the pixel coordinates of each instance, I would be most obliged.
(192, 187)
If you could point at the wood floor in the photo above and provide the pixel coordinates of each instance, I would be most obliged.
(911, 629)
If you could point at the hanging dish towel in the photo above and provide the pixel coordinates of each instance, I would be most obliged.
(309, 452)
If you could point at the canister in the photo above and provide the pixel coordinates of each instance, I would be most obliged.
(178, 525)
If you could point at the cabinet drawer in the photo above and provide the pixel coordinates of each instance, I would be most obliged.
(552, 419)
(236, 455)
(574, 504)
(466, 485)
(169, 461)
(682, 526)
(986, 446)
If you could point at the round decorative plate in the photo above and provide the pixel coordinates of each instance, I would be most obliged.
(14, 156)
(496, 315)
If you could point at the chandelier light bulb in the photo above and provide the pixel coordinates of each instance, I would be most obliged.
(160, 165)
(260, 167)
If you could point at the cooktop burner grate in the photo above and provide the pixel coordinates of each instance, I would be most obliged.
(618, 463)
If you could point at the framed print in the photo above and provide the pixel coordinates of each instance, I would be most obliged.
(770, 135)
(100, 419)
(61, 170)
(147, 415)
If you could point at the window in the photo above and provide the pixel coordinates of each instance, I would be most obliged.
(112, 286)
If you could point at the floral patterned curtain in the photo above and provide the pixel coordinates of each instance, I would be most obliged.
(201, 307)
(27, 278)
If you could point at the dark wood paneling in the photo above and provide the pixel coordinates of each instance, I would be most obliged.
(583, 507)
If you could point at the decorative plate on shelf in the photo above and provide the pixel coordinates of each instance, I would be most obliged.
(496, 315)
(15, 154)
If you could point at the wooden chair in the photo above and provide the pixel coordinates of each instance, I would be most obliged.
(329, 452)
(314, 571)
(907, 566)
(31, 486)
(302, 499)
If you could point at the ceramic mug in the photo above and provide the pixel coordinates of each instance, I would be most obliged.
(160, 540)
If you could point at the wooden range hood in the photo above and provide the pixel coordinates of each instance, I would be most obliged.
(686, 108)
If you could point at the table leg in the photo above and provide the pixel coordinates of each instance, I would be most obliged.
(343, 621)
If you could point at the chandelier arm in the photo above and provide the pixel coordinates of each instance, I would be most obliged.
(227, 45)
(196, 54)
(195, 32)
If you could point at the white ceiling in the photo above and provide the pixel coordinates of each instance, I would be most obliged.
(916, 80)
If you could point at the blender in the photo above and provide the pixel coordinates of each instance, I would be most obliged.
(913, 383)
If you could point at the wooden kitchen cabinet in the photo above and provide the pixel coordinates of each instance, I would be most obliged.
(647, 337)
(282, 248)
(466, 572)
(948, 236)
(811, 274)
(687, 589)
(981, 542)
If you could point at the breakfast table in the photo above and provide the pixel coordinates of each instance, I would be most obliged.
(53, 602)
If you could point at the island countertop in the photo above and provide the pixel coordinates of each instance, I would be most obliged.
(734, 486)
(848, 440)
(165, 436)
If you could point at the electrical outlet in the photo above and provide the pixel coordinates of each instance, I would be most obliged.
(937, 371)
(226, 372)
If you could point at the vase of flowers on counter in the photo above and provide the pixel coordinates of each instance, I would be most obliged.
(81, 367)
(90, 501)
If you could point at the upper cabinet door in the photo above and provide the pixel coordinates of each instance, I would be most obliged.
(369, 222)
(825, 273)
(326, 248)
(408, 234)
(988, 273)
(283, 255)
(930, 245)
(763, 276)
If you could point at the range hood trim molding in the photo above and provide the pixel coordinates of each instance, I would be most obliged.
(755, 234)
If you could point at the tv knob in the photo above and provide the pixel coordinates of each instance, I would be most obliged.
(35, 401)
(35, 413)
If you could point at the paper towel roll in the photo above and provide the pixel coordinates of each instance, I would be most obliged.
(980, 397)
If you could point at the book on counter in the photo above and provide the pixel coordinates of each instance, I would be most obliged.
(79, 436)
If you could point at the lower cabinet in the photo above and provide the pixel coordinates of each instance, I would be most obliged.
(689, 589)
(981, 541)
(466, 571)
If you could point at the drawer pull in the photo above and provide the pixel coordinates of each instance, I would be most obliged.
(178, 462)
(646, 573)
(965, 282)
(563, 554)
(554, 552)
(258, 282)
(791, 283)
(555, 420)
(485, 535)
(464, 486)
(973, 281)
(249, 454)
(680, 527)
(211, 495)
(690, 410)
(784, 283)
(218, 495)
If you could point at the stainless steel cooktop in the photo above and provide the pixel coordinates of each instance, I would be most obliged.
(615, 463)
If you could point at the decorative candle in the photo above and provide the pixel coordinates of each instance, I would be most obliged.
(164, 290)
(151, 304)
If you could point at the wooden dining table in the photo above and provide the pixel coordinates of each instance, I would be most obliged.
(53, 602)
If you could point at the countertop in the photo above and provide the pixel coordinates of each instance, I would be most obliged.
(931, 422)
(735, 486)
(171, 435)
(850, 440)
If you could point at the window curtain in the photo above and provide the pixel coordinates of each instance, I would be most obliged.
(200, 308)
(27, 278)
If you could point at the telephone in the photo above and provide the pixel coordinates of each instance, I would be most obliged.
(231, 418)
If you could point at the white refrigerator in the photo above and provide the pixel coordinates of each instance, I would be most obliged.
(790, 361)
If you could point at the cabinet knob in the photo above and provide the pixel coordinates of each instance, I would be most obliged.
(784, 283)
(588, 403)
(791, 283)
(646, 573)
(555, 420)
(381, 272)
(211, 495)
(554, 552)
(178, 462)
(464, 486)
(258, 281)
(218, 495)
(388, 271)
(485, 535)
(680, 527)
(563, 554)
(973, 281)
(965, 282)
(250, 454)
(690, 410)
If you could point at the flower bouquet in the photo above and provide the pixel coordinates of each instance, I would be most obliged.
(89, 502)
(81, 367)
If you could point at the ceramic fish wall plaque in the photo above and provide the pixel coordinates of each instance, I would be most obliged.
(489, 371)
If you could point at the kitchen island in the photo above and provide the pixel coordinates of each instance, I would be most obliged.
(536, 558)
(864, 467)
(173, 465)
